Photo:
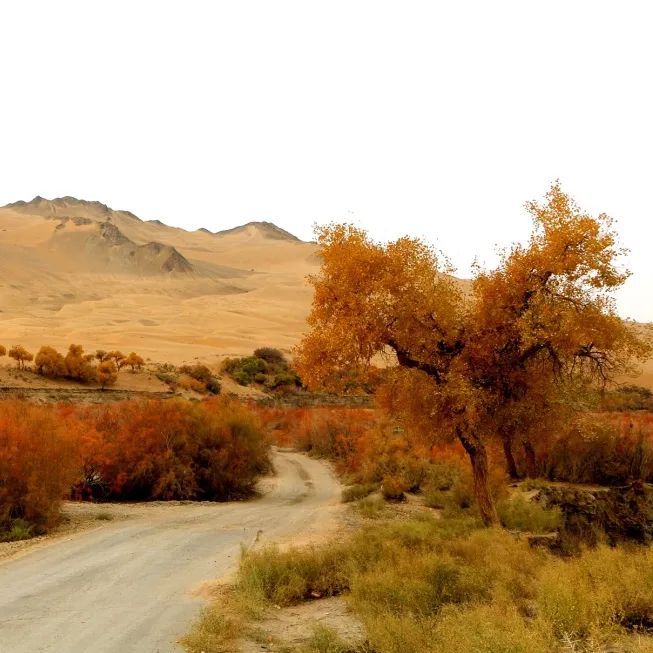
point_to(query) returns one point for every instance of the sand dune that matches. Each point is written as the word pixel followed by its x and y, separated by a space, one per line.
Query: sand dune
pixel 77 271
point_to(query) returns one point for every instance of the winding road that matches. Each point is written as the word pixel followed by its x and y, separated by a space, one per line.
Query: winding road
pixel 134 586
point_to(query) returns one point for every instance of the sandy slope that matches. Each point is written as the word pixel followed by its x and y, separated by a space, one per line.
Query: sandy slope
pixel 134 585
pixel 63 280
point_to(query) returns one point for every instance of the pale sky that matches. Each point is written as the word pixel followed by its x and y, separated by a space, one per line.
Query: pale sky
pixel 434 119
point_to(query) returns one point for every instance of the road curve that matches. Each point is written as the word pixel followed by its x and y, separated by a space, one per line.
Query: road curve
pixel 131 586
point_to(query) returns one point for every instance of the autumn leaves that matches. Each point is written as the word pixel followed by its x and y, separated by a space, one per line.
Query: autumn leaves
pixel 482 363
pixel 101 367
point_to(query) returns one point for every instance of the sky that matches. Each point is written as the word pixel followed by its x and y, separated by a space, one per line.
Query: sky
pixel 433 119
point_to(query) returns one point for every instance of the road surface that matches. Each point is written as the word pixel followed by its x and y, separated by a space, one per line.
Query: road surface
pixel 132 585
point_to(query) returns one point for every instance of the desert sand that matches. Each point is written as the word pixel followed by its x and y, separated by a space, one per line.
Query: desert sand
pixel 78 271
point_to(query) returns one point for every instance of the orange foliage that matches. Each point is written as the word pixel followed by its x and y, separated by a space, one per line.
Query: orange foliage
pixel 605 448
pixel 134 361
pixel 475 367
pixel 49 362
pixel 170 450
pixel 128 450
pixel 21 356
pixel 38 462
pixel 78 364
pixel 106 374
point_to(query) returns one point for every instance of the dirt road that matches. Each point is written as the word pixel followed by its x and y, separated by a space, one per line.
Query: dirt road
pixel 135 585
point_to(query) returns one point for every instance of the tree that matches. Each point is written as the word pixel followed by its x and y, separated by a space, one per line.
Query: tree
pixel 78 364
pixel 106 374
pixel 134 361
pixel 543 318
pixel 117 357
pixel 3 350
pixel 49 362
pixel 21 356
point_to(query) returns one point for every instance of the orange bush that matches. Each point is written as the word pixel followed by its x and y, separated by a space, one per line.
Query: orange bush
pixel 171 450
pixel 38 462
pixel 606 448
pixel 135 450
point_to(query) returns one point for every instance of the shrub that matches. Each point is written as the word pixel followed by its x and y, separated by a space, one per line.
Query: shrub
pixel 521 514
pixel 357 491
pixel 16 530
pixel 189 383
pixel 49 362
pixel 38 464
pixel 272 356
pixel 371 507
pixel 393 489
pixel 607 449
pixel 172 450
pixel 283 378
pixel 267 367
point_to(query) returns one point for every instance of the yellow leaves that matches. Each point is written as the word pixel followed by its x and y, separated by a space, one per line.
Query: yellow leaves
pixel 544 312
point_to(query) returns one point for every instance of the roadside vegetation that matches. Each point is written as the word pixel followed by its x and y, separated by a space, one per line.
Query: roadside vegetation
pixel 131 450
pixel 486 387
pixel 434 584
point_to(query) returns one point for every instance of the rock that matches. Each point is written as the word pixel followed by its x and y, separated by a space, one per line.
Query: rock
pixel 616 514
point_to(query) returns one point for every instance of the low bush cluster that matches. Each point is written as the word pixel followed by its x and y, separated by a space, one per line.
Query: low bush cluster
pixel 198 378
pixel 131 450
pixel 170 450
pixel 267 367
pixel 607 449
pixel 38 465
pixel 627 397
pixel 436 586
pixel 101 368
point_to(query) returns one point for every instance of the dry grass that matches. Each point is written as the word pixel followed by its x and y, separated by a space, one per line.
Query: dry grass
pixel 438 585
pixel 518 513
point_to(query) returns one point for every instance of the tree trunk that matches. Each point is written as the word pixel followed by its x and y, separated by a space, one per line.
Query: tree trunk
pixel 511 465
pixel 531 465
pixel 478 457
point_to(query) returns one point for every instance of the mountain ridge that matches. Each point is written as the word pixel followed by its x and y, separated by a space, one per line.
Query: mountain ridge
pixel 67 206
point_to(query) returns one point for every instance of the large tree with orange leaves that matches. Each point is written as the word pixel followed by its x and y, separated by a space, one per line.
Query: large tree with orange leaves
pixel 468 361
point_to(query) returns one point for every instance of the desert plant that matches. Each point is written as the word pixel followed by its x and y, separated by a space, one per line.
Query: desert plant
pixel 21 356
pixel 519 513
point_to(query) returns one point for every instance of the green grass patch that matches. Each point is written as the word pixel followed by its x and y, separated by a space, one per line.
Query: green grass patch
pixel 518 513
pixel 358 491
pixel 17 529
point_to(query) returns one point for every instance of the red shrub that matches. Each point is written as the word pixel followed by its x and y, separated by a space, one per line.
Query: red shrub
pixel 38 462
pixel 171 450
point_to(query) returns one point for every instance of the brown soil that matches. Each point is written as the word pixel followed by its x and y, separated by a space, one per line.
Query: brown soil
pixel 291 627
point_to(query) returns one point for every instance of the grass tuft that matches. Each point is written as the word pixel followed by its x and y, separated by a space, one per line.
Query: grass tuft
pixel 518 513
pixel 358 491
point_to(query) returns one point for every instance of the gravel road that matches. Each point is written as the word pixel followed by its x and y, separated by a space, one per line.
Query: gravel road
pixel 135 585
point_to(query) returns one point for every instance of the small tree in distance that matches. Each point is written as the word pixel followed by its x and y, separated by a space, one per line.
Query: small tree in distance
pixel 21 356
pixel 116 356
pixel 49 362
pixel 106 374
pixel 134 361
pixel 3 350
